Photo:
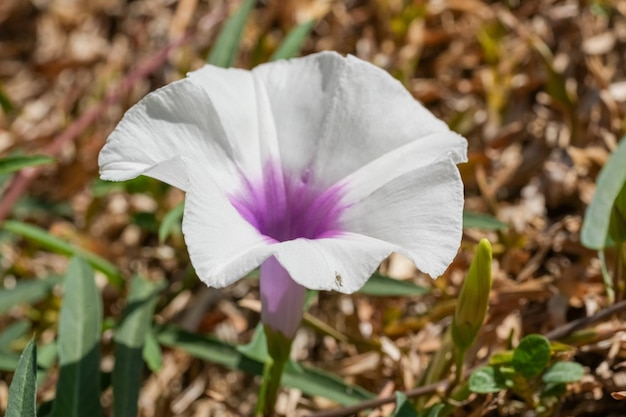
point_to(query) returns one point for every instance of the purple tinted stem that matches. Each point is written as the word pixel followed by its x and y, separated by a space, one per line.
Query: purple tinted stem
pixel 282 298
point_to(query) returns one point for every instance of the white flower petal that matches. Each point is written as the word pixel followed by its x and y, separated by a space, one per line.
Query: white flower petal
pixel 334 115
pixel 301 94
pixel 223 247
pixel 176 121
pixel 342 263
pixel 401 160
pixel 243 109
pixel 421 212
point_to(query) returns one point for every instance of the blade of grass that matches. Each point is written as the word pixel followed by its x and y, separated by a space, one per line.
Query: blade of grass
pixel 612 177
pixel 482 221
pixel 8 361
pixel 5 101
pixel 151 352
pixel 80 325
pixel 46 358
pixel 383 286
pixel 11 164
pixel 23 390
pixel 309 380
pixel 224 51
pixel 171 220
pixel 292 43
pixel 27 292
pixel 53 243
pixel 11 333
pixel 129 341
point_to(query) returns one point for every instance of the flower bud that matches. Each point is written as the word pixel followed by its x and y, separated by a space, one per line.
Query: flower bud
pixel 473 300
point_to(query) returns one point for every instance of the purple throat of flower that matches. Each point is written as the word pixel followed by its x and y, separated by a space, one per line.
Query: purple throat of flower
pixel 285 207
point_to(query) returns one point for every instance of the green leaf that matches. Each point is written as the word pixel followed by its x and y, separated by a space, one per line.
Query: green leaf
pixel 27 292
pixel 501 358
pixel 206 347
pixel 563 373
pixel 531 356
pixel 404 408
pixel 80 324
pixel 383 286
pixel 53 243
pixel 291 45
pixel 11 164
pixel 473 301
pixel 257 348
pixel 5 101
pixel 226 46
pixel 8 361
pixel 129 341
pixel 23 390
pixel 482 221
pixel 152 352
pixel 435 410
pixel 617 222
pixel 608 186
pixel 486 380
pixel 171 221
pixel 13 332
pixel 46 357
pixel 553 390
pixel 311 381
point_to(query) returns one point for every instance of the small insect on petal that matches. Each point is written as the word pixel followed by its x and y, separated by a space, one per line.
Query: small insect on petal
pixel 338 279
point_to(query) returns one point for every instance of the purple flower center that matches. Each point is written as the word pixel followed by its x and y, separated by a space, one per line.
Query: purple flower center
pixel 284 207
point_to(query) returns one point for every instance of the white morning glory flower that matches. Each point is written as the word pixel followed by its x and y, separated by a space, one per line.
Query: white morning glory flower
pixel 315 169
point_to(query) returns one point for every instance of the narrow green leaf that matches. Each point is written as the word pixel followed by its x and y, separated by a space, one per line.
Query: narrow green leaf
pixel 151 352
pixel 404 408
pixel 27 292
pixel 482 221
pixel 617 222
pixel 11 164
pixel 531 356
pixel 473 302
pixel 206 347
pixel 23 390
pixel 501 358
pixel 292 43
pixel 46 358
pixel 129 340
pixel 553 390
pixel 485 380
pixel 608 185
pixel 435 410
pixel 53 243
pixel 563 373
pixel 311 381
pixel 257 348
pixel 383 286
pixel 5 101
pixel 224 51
pixel 171 221
pixel 13 332
pixel 80 325
pixel 8 361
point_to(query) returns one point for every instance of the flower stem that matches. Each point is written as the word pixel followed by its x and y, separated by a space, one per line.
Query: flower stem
pixel 278 346
pixel 459 354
